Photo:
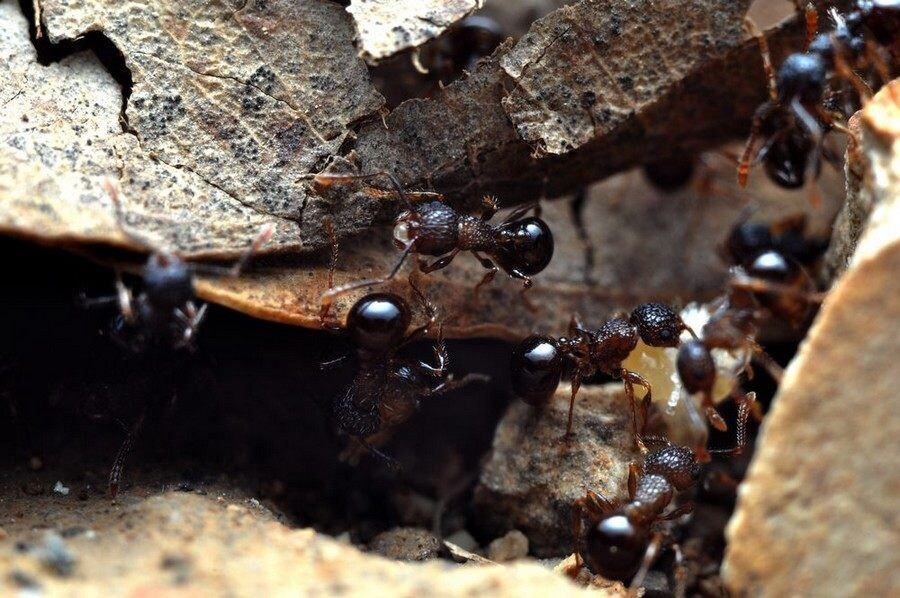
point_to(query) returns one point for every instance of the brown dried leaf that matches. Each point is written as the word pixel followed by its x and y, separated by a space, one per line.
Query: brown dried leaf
pixel 232 103
pixel 385 27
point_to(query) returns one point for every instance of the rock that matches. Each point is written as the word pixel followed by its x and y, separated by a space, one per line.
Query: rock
pixel 817 514
pixel 512 546
pixel 195 544
pixel 406 544
pixel 532 476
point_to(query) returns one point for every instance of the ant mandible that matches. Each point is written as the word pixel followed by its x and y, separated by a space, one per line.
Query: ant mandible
pixel 622 541
pixel 521 246
pixel 538 361
pixel 387 390
pixel 164 317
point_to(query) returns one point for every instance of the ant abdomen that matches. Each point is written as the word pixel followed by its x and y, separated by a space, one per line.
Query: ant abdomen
pixel 378 321
pixel 525 246
pixel 537 365
pixel 789 301
pixel 614 547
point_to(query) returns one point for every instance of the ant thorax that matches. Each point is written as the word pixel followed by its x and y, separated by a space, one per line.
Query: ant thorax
pixel 687 426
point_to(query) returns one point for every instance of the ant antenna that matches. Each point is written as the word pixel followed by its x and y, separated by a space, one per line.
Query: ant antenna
pixel 112 189
pixel 327 180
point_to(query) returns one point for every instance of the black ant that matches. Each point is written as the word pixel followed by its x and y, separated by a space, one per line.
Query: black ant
pixel 538 361
pixel 387 389
pixel 794 120
pixel 622 541
pixel 164 317
pixel 788 235
pixel 521 246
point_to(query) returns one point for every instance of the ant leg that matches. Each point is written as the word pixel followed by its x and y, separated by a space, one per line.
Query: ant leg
pixel 877 61
pixel 327 180
pixel 765 360
pixel 593 505
pixel 861 87
pixel 576 384
pixel 326 365
pixel 115 473
pixel 521 211
pixel 649 556
pixel 489 275
pixel 430 311
pixel 329 296
pixel 389 461
pixel 765 54
pixel 577 213
pixel 715 420
pixel 679 572
pixel 452 384
pixel 630 378
pixel 743 169
pixel 439 263
pixel 576 327
pixel 812 23
pixel 262 237
pixel 526 286
pixel 634 471
pixel 746 404
pixel 684 509
pixel 125 299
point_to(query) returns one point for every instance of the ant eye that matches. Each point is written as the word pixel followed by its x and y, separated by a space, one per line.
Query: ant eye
pixel 657 324
pixel 168 282
pixel 378 321
pixel 536 369
pixel 615 548
pixel 527 246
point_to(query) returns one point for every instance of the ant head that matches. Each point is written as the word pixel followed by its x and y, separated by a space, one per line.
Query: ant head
pixel 536 369
pixel 433 227
pixel 479 34
pixel 525 246
pixel 168 281
pixel 747 240
pixel 658 324
pixel 785 161
pixel 696 367
pixel 615 547
pixel 378 322
pixel 802 76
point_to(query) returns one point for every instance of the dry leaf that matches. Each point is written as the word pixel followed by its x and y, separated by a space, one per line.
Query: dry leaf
pixel 386 27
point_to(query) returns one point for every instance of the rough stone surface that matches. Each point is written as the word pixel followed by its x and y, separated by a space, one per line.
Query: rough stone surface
pixel 817 515
pixel 219 543
pixel 406 544
pixel 385 27
pixel 532 476
pixel 509 547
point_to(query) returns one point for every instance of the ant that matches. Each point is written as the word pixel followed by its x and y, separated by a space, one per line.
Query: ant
pixel 538 361
pixel 521 246
pixel 163 318
pixel 623 540
pixel 387 390
pixel 787 235
pixel 794 120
